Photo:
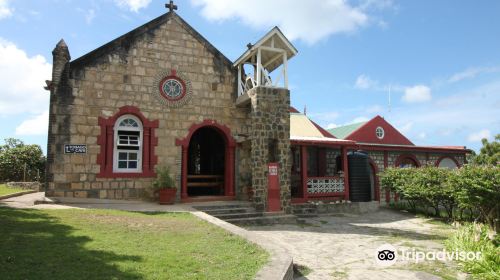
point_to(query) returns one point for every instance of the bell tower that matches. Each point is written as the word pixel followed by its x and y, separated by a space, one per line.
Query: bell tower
pixel 263 85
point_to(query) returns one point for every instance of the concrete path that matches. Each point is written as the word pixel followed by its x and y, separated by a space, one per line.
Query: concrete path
pixel 344 246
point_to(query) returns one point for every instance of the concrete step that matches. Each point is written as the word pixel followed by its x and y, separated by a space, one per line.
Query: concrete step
pixel 222 206
pixel 264 220
pixel 214 212
pixel 229 216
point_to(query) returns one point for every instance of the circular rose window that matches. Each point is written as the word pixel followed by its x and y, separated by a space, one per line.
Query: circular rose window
pixel 379 131
pixel 172 88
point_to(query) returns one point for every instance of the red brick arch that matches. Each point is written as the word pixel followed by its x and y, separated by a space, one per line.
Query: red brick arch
pixel 229 155
pixel 438 161
pixel 404 156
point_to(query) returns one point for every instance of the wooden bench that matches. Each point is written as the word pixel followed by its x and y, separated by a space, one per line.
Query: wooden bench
pixel 205 181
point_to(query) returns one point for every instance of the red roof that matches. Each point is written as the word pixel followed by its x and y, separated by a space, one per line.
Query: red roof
pixel 366 133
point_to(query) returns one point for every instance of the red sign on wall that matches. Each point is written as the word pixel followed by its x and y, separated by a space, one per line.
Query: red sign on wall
pixel 273 188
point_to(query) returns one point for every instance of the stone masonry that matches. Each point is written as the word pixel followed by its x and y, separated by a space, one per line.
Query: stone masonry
pixel 123 73
pixel 270 123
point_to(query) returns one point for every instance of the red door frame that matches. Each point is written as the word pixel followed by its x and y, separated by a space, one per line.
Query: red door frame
pixel 228 155
pixel 374 168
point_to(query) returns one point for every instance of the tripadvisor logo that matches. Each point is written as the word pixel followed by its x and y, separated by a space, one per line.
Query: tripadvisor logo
pixel 387 255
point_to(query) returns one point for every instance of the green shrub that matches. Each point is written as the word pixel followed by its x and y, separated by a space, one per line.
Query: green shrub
pixel 478 187
pixel 20 162
pixel 163 179
pixel 474 238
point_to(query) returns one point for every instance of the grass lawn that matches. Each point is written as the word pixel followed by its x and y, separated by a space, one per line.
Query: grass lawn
pixel 4 190
pixel 109 244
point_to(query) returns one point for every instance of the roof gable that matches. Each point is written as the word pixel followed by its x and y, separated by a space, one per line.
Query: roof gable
pixel 365 133
pixel 122 44
pixel 342 132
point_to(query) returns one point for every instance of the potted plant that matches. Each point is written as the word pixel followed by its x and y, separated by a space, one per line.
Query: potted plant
pixel 164 185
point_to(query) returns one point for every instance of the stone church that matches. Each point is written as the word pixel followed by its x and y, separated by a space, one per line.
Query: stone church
pixel 162 95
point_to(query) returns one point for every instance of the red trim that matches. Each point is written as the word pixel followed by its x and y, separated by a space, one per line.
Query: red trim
pixel 322 130
pixel 172 76
pixel 332 194
pixel 346 173
pixel 450 157
pixel 374 167
pixel 293 110
pixel 229 155
pixel 336 144
pixel 303 170
pixel 403 156
pixel 366 133
pixel 106 141
pixel 362 146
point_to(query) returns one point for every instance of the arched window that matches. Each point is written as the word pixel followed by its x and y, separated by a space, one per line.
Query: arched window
pixel 408 162
pixel 127 152
pixel 447 162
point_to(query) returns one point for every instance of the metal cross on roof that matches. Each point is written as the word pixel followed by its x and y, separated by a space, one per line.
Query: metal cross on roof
pixel 171 6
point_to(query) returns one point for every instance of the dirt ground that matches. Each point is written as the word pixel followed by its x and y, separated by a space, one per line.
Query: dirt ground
pixel 345 246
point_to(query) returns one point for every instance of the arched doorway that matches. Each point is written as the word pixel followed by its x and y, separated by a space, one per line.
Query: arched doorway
pixel 199 157
pixel 374 185
pixel 206 163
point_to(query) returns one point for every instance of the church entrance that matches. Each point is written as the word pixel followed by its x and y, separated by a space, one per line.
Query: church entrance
pixel 206 163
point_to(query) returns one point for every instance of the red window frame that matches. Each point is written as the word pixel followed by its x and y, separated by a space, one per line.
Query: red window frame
pixel 106 142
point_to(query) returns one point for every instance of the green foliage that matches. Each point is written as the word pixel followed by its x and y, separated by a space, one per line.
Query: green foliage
pixel 401 180
pixel 475 188
pixel 478 187
pixel 490 152
pixel 163 179
pixel 21 162
pixel 474 238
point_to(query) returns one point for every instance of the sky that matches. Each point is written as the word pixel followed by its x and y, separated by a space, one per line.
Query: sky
pixel 431 68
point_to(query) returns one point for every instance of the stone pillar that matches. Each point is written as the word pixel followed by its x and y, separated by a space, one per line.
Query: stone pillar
pixel 270 123
pixel 58 130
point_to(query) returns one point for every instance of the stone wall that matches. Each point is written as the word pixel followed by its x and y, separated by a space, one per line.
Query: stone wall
pixel 270 121
pixel 99 84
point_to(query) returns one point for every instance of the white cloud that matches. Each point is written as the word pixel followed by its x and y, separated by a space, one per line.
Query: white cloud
pixel 5 9
pixel 303 20
pixel 22 79
pixel 89 16
pixel 326 117
pixel 358 120
pixel 133 5
pixel 35 126
pixel 416 94
pixel 406 127
pixel 422 135
pixel 479 135
pixel 472 73
pixel 375 109
pixel 331 125
pixel 365 82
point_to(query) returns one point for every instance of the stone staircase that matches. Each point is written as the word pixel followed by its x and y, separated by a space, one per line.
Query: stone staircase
pixel 309 210
pixel 243 214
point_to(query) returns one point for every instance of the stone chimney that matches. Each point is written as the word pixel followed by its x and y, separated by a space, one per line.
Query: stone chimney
pixel 60 64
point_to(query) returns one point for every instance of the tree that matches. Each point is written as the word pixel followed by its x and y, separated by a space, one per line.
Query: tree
pixel 478 187
pixel 19 161
pixel 489 153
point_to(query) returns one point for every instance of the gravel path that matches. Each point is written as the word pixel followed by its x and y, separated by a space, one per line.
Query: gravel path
pixel 344 246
